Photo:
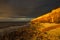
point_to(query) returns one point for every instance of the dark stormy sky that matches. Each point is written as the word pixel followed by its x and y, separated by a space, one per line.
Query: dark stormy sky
pixel 32 8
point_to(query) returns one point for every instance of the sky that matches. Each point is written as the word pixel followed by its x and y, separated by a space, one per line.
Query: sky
pixel 32 8
pixel 36 7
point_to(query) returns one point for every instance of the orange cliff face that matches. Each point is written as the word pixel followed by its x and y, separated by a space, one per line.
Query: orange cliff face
pixel 53 16
pixel 49 18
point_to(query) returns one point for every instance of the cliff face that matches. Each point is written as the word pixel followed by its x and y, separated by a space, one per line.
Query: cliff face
pixel 46 20
pixel 50 23
pixel 51 17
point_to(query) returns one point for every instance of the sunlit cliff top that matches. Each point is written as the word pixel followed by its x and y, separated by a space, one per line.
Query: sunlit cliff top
pixel 52 16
